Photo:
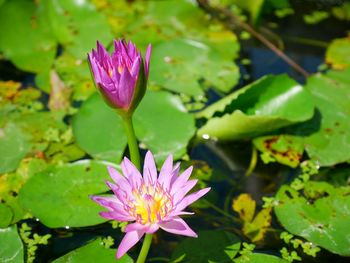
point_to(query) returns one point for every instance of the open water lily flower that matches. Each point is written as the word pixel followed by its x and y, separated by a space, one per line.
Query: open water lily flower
pixel 122 76
pixel 149 201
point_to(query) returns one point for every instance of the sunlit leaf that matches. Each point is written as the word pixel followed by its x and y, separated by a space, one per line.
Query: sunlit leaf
pixel 285 149
pixel 338 53
pixel 90 252
pixel 77 25
pixel 11 249
pixel 259 258
pixel 244 205
pixel 161 123
pixel 263 106
pixel 26 19
pixel 319 214
pixel 67 190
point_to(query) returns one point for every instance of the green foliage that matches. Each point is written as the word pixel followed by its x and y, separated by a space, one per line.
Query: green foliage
pixel 263 106
pixel 67 190
pixel 90 252
pixel 338 53
pixel 318 212
pixel 161 123
pixel 11 249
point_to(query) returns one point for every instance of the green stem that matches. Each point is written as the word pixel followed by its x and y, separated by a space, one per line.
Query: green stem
pixel 253 161
pixel 132 142
pixel 145 247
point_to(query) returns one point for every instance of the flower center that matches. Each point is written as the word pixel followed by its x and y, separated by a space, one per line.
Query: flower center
pixel 151 204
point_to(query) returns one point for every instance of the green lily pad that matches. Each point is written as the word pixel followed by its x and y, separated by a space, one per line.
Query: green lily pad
pixel 161 124
pixel 76 75
pixel 64 201
pixel 14 146
pixel 175 66
pixel 99 130
pixel 202 250
pixel 11 249
pixel 26 19
pixel 263 106
pixel 260 258
pixel 5 216
pixel 320 214
pixel 285 149
pixel 77 25
pixel 184 39
pixel 338 53
pixel 331 143
pixel 92 252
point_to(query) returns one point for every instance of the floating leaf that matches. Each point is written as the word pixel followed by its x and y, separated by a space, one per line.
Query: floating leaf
pixel 331 143
pixel 26 19
pixel 69 23
pixel 253 227
pixel 183 39
pixel 338 53
pixel 202 250
pixel 11 249
pixel 160 121
pixel 67 190
pixel 92 251
pixel 285 149
pixel 5 216
pixel 319 214
pixel 14 145
pixel 263 106
pixel 175 64
pixel 244 205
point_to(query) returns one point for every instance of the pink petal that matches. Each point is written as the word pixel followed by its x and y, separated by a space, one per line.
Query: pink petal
pixel 126 88
pixel 178 226
pixel 129 240
pixel 135 67
pixel 175 173
pixel 165 173
pixel 149 169
pixel 180 194
pixel 136 227
pixel 119 179
pixel 112 215
pixel 131 172
pixel 190 199
pixel 181 180
pixel 147 59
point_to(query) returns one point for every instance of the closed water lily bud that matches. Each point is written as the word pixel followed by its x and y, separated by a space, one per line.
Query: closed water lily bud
pixel 122 76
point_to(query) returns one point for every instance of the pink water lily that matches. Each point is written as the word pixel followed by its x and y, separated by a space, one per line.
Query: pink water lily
pixel 122 76
pixel 149 201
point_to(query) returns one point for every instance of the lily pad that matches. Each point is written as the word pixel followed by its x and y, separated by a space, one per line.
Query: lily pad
pixel 331 143
pixel 11 249
pixel 5 216
pixel 285 149
pixel 14 145
pixel 184 38
pixel 201 249
pixel 73 30
pixel 261 107
pixel 26 19
pixel 319 214
pixel 175 66
pixel 89 252
pixel 161 124
pixel 64 201
pixel 338 53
